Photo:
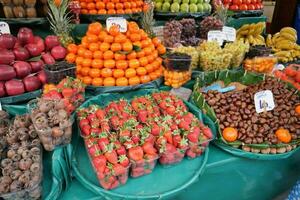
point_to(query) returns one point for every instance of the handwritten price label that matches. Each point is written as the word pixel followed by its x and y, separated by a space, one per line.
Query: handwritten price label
pixel 230 33
pixel 216 36
pixel 264 101
pixel 4 28
pixel 117 21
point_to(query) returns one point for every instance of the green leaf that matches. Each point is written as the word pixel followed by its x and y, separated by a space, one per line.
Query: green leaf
pixel 137 48
pixel 34 59
pixel 124 52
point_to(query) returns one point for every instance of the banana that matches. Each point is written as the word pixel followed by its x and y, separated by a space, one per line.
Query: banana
pixel 244 27
pixel 252 29
pixel 259 27
pixel 289 30
pixel 277 35
pixel 261 38
pixel 286 44
pixel 282 54
pixel 251 39
pixel 288 36
pixel 283 59
pixel 269 40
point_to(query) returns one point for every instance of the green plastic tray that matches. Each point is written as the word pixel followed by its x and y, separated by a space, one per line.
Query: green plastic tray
pixel 179 15
pixel 92 18
pixel 20 98
pixel 25 21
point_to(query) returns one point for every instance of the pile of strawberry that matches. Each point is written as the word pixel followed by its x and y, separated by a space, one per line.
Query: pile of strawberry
pixel 69 89
pixel 136 134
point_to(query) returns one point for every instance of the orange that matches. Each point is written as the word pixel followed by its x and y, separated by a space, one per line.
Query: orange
pixel 117 73
pixel 122 81
pixel 109 81
pixel 94 73
pixel 283 135
pixel 92 38
pixel 108 55
pixel 106 72
pixel 134 10
pixel 138 44
pixel 114 30
pixel 119 56
pixel 145 79
pixel 161 49
pixel 130 73
pixel 115 1
pixel 155 64
pixel 143 34
pixel 127 46
pixel 152 47
pixel 119 6
pixel 85 42
pixel 134 63
pixel 108 39
pixel 83 5
pixel 84 71
pixel 128 11
pixel 120 11
pixel 93 47
pixel 72 48
pixel 71 57
pixel 109 63
pixel 133 5
pixel 230 134
pixel 79 60
pixel 153 76
pixel 84 11
pixel 127 5
pixel 97 82
pixel 145 43
pixel 121 64
pixel 156 41
pixel 91 6
pixel 104 46
pixel 111 12
pixel 80 51
pixel 134 80
pixel 115 47
pixel 120 38
pixel 100 5
pixel 135 37
pixel 102 35
pixel 143 61
pixel 150 58
pixel 141 71
pixel 102 12
pixel 149 68
pixel 93 12
pixel 98 55
pixel 155 54
pixel 88 54
pixel 140 54
pixel 297 109
pixel 140 3
pixel 110 6
pixel 78 69
pixel 87 62
pixel 97 63
pixel 131 55
pixel 159 60
pixel 87 80
pixel 147 51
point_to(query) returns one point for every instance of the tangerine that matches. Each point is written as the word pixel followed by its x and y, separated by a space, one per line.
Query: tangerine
pixel 134 80
pixel 106 72
pixel 283 135
pixel 117 73
pixel 97 81
pixel 109 81
pixel 129 73
pixel 122 81
pixel 230 134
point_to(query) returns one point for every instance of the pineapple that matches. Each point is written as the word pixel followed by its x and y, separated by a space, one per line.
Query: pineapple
pixel 60 21
pixel 148 20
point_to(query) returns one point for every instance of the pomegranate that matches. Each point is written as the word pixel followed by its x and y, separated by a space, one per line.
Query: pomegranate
pixel 42 76
pixel 7 41
pixel 33 49
pixel 32 83
pixel 2 89
pixel 14 87
pixel 7 72
pixel 21 53
pixel 22 69
pixel 36 66
pixel 40 43
pixel 48 59
pixel 51 41
pixel 6 56
pixel 25 36
pixel 58 52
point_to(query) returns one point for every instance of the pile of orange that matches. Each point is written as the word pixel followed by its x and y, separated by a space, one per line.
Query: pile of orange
pixel 111 7
pixel 111 58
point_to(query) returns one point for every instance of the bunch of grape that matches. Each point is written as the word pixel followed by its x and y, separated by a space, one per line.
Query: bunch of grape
pixel 208 24
pixel 192 51
pixel 172 33
pixel 188 28
pixel 238 49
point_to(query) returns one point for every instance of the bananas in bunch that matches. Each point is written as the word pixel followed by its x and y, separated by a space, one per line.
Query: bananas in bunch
pixel 251 33
pixel 284 44
pixel 192 51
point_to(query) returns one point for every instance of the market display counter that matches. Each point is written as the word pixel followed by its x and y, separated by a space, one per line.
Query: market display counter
pixel 227 177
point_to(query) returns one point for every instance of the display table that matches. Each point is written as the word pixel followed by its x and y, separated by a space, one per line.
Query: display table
pixel 227 177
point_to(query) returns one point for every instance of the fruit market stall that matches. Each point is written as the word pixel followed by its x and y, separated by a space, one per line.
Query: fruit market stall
pixel 103 104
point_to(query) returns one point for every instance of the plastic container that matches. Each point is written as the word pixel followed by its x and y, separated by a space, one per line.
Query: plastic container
pixel 46 134
pixel 260 64
pixel 18 9
pixel 168 159
pixel 178 64
pixel 60 70
pixel 35 174
pixel 142 167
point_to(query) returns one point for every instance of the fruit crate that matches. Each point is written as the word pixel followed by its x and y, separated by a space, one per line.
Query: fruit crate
pixel 58 71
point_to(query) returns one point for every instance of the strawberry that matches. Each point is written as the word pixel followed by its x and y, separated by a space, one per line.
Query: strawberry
pixel 174 127
pixel 111 157
pixel 136 153
pixel 170 148
pixel 163 105
pixel 142 116
pixel 135 139
pixel 124 161
pixel 100 114
pixel 149 149
pixel 168 136
pixel 99 163
pixel 192 137
pixel 95 123
pixel 94 151
pixel 183 125
pixel 118 169
pixel 128 144
pixel 83 122
pixel 207 132
pixel 114 120
pixel 90 142
pixel 171 110
pixel 121 150
pixel 176 140
pixel 190 153
pixel 95 131
pixel 67 92
pixel 124 133
pixel 91 117
pixel 138 171
pixel 103 142
pixel 86 130
pixel 155 130
pixel 150 139
pixel 123 178
pixel 53 94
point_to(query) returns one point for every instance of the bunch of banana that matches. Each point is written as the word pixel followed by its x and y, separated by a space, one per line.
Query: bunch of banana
pixel 284 44
pixel 251 33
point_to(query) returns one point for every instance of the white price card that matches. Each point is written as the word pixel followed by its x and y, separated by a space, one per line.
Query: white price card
pixel 117 21
pixel 182 92
pixel 230 33
pixel 264 101
pixel 0 106
pixel 4 28
pixel 216 36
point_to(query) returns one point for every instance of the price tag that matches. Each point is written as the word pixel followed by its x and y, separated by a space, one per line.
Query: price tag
pixel 182 92
pixel 4 28
pixel 216 36
pixel 117 21
pixel 264 101
pixel 279 67
pixel 230 33
pixel 0 106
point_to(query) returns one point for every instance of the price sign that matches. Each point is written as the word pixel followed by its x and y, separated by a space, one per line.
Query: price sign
pixel 181 92
pixel 264 101
pixel 4 28
pixel 230 33
pixel 216 36
pixel 117 21
pixel 0 106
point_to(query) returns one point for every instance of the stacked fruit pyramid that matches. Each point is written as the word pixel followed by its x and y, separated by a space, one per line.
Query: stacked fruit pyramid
pixel 111 7
pixel 112 58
